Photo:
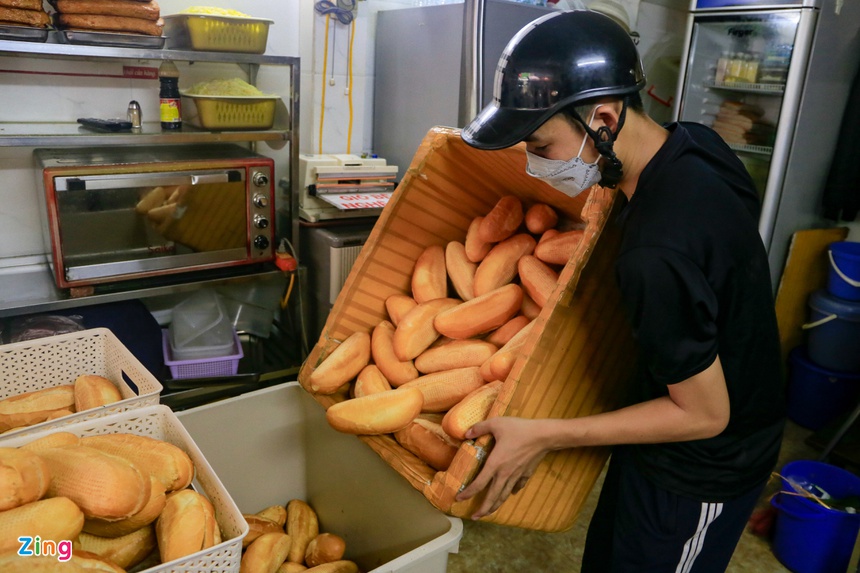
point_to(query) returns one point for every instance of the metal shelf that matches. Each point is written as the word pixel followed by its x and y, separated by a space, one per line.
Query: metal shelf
pixel 765 89
pixel 757 149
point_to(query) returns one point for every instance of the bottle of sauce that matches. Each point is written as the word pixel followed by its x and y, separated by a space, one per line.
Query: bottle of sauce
pixel 170 106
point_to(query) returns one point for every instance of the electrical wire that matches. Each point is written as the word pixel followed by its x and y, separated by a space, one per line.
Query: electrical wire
pixel 349 86
pixel 322 103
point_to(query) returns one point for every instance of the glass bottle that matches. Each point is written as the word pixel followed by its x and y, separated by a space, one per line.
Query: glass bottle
pixel 170 106
pixel 722 65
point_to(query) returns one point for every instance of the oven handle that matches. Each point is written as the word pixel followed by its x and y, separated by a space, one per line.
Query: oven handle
pixel 99 182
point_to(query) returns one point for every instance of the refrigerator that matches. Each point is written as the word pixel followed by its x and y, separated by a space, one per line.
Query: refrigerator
pixel 772 78
pixel 435 65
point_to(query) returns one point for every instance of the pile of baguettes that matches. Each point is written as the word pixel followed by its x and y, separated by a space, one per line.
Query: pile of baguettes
pixel 27 13
pixel 112 16
pixel 436 367
pixel 116 499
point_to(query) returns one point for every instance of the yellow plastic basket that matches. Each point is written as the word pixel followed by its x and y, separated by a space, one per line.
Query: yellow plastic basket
pixel 229 112
pixel 211 33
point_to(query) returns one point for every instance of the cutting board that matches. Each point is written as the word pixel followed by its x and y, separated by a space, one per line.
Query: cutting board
pixel 805 272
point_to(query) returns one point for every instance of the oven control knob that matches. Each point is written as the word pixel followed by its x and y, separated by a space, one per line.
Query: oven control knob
pixel 260 222
pixel 260 179
pixel 261 242
pixel 260 201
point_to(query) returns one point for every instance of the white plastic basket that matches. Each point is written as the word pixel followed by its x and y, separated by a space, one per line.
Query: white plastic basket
pixel 161 423
pixel 57 360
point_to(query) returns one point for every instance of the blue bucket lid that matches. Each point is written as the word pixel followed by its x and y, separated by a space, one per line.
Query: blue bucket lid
pixel 848 249
pixel 825 303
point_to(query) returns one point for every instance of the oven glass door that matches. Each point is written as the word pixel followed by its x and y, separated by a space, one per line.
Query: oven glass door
pixel 134 224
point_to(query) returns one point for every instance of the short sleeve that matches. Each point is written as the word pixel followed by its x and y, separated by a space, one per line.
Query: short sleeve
pixel 673 312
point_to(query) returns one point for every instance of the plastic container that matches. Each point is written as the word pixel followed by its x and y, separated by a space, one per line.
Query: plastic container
pixel 843 280
pixel 229 112
pixel 816 396
pixel 210 33
pixel 226 365
pixel 833 332
pixel 808 537
pixel 387 525
pixel 55 360
pixel 200 328
pixel 161 423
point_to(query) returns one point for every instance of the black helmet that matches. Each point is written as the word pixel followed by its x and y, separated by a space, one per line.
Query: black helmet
pixel 556 60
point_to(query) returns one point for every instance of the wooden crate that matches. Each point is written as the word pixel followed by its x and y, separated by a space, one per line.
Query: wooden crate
pixel 576 360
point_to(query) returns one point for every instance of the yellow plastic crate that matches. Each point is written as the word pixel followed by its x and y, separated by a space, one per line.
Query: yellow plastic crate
pixel 229 112
pixel 211 33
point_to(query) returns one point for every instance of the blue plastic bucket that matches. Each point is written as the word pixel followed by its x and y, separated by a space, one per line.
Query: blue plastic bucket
pixel 833 332
pixel 844 277
pixel 817 396
pixel 808 537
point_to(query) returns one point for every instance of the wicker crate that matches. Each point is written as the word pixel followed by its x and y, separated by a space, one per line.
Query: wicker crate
pixel 57 360
pixel 212 33
pixel 161 423
pixel 577 358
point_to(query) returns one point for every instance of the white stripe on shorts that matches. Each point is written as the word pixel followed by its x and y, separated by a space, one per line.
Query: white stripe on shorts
pixel 709 513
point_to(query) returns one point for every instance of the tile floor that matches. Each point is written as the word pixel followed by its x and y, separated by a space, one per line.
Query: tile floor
pixel 490 548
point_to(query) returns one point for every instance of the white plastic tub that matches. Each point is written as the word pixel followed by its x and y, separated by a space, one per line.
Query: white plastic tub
pixel 274 445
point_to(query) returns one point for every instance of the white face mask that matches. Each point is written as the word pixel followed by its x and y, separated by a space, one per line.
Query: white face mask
pixel 571 177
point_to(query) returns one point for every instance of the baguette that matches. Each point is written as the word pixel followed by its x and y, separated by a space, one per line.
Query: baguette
pixel 302 526
pixel 93 391
pixel 290 567
pixel 502 221
pixel 147 515
pixel 499 365
pixel 94 22
pixel 499 267
pixel 429 442
pixel 56 518
pixel 11 562
pixel 342 365
pixel 416 332
pixel 276 513
pixel 258 526
pixel 429 277
pixel 342 566
pixel 266 553
pixel 35 406
pixel 324 548
pixel 529 308
pixel 32 18
pixel 22 4
pixel 167 462
pixel 537 279
pixel 92 562
pixel 456 354
pixel 501 335
pixel 539 218
pixel 471 410
pixel 475 247
pixel 461 270
pixel 481 314
pixel 557 249
pixel 125 551
pixel 380 413
pixel 52 440
pixel 441 390
pixel 370 381
pixel 186 525
pixel 395 371
pixel 24 477
pixel 398 306
pixel 145 10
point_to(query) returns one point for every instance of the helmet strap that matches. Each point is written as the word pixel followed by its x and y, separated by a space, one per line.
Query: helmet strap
pixel 604 139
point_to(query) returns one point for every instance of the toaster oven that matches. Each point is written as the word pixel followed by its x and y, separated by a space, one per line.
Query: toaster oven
pixel 120 213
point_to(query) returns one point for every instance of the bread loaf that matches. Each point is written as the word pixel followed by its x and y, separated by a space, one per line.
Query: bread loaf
pixel 11 562
pixel 342 365
pixel 22 4
pixel 94 22
pixel 52 440
pixel 342 566
pixel 290 567
pixel 137 9
pixel 529 308
pixel 93 391
pixel 302 526
pixel 125 551
pixel 499 267
pixel 481 314
pixel 501 335
pixel 398 306
pixel 57 518
pixel 276 513
pixel 24 477
pixel 499 365
pixel 147 515
pixel 476 248
pixel 502 221
pixel 455 354
pixel 416 332
pixel 460 269
pixel 538 279
pixel 92 562
pixel 258 526
pixel 324 548
pixel 32 18
pixel 35 406
pixel 370 381
pixel 557 250
pixel 429 277
pixel 380 413
pixel 441 390
pixel 186 525
pixel 539 218
pixel 429 442
pixel 104 486
pixel 395 371
pixel 266 553
pixel 471 410
pixel 167 462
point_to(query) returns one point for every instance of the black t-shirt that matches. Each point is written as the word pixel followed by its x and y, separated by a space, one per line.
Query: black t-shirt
pixel 694 278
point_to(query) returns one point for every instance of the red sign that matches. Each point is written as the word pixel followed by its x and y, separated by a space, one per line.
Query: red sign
pixel 140 72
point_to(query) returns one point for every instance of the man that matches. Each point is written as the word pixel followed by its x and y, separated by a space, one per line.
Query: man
pixel 693 454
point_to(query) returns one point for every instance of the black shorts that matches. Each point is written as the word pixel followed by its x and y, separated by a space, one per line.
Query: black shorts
pixel 638 527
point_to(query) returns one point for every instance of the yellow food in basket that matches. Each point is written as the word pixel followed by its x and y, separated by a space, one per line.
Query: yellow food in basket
pixel 219 87
pixel 213 11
